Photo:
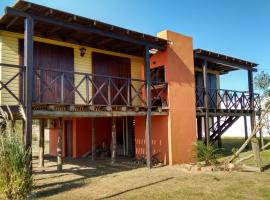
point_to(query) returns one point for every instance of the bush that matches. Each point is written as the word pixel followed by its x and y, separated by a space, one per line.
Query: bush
pixel 208 154
pixel 15 174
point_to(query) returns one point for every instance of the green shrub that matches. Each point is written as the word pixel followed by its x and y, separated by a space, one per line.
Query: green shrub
pixel 15 175
pixel 209 154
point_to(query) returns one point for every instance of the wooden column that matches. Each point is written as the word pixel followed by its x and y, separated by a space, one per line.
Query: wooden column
pixel 41 143
pixel 251 96
pixel 245 127
pixel 260 132
pixel 205 99
pixel 93 139
pixel 148 122
pixel 28 63
pixel 219 137
pixel 60 145
pixel 113 143
pixel 199 128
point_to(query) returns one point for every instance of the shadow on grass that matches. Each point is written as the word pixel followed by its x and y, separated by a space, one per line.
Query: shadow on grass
pixel 136 188
pixel 84 168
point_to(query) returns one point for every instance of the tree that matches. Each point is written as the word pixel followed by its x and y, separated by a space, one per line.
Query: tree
pixel 262 83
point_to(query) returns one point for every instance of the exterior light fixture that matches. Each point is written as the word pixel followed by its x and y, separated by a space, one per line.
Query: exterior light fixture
pixel 82 51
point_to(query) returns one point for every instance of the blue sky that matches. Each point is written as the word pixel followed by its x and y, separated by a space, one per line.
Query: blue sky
pixel 240 28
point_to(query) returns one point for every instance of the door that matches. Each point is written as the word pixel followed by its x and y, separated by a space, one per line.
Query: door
pixel 48 83
pixel 115 66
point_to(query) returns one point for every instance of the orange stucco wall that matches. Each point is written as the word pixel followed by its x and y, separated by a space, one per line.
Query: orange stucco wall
pixel 159 137
pixel 82 138
pixel 179 73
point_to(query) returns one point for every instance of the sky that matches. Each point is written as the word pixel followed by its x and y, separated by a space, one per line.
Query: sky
pixel 238 28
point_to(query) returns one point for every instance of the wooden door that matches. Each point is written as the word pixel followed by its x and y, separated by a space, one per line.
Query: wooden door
pixel 108 65
pixel 56 58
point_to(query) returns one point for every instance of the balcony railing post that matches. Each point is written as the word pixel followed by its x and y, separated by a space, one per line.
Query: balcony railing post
pixel 128 91
pixel 87 89
pixel 62 87
pixel 109 93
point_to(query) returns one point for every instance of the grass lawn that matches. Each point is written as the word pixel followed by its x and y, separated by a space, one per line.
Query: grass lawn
pixel 84 179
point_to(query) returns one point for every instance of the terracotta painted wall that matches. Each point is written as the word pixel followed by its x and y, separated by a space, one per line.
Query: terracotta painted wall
pixel 82 138
pixel 159 137
pixel 53 141
pixel 179 73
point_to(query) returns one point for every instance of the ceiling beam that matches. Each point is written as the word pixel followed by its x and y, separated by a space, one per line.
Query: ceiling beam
pixel 13 21
pixel 105 41
pixel 224 62
pixel 82 28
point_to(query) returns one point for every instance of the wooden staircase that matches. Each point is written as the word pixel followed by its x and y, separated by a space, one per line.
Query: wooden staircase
pixel 225 123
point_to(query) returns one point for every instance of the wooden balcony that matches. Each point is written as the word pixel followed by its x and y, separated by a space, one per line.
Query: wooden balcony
pixel 59 93
pixel 227 102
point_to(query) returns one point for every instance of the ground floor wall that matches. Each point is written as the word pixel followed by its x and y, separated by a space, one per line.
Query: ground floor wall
pixel 159 138
pixel 81 136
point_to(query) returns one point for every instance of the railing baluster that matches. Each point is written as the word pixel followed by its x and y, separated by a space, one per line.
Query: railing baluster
pixel 62 88
pixel 128 92
pixel 109 93
pixel 87 89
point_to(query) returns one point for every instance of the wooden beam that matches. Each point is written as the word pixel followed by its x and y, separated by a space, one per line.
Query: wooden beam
pixel 148 123
pixel 205 98
pixel 66 114
pixel 93 139
pixel 82 28
pixel 105 41
pixel 60 145
pixel 28 62
pixel 41 143
pixel 223 62
pixel 113 142
pixel 13 21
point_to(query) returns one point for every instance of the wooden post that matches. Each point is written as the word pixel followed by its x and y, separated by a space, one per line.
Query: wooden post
pixel 127 138
pixel 93 139
pixel 251 96
pixel 245 127
pixel 41 143
pixel 256 151
pixel 113 143
pixel 260 133
pixel 219 137
pixel 148 123
pixel 59 145
pixel 124 138
pixel 199 128
pixel 28 63
pixel 205 99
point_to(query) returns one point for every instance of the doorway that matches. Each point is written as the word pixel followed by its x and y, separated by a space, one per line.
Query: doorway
pixel 69 138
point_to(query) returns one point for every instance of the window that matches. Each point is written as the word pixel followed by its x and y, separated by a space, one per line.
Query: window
pixel 158 74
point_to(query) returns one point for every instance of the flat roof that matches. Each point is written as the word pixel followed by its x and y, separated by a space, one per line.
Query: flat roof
pixel 58 25
pixel 221 62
